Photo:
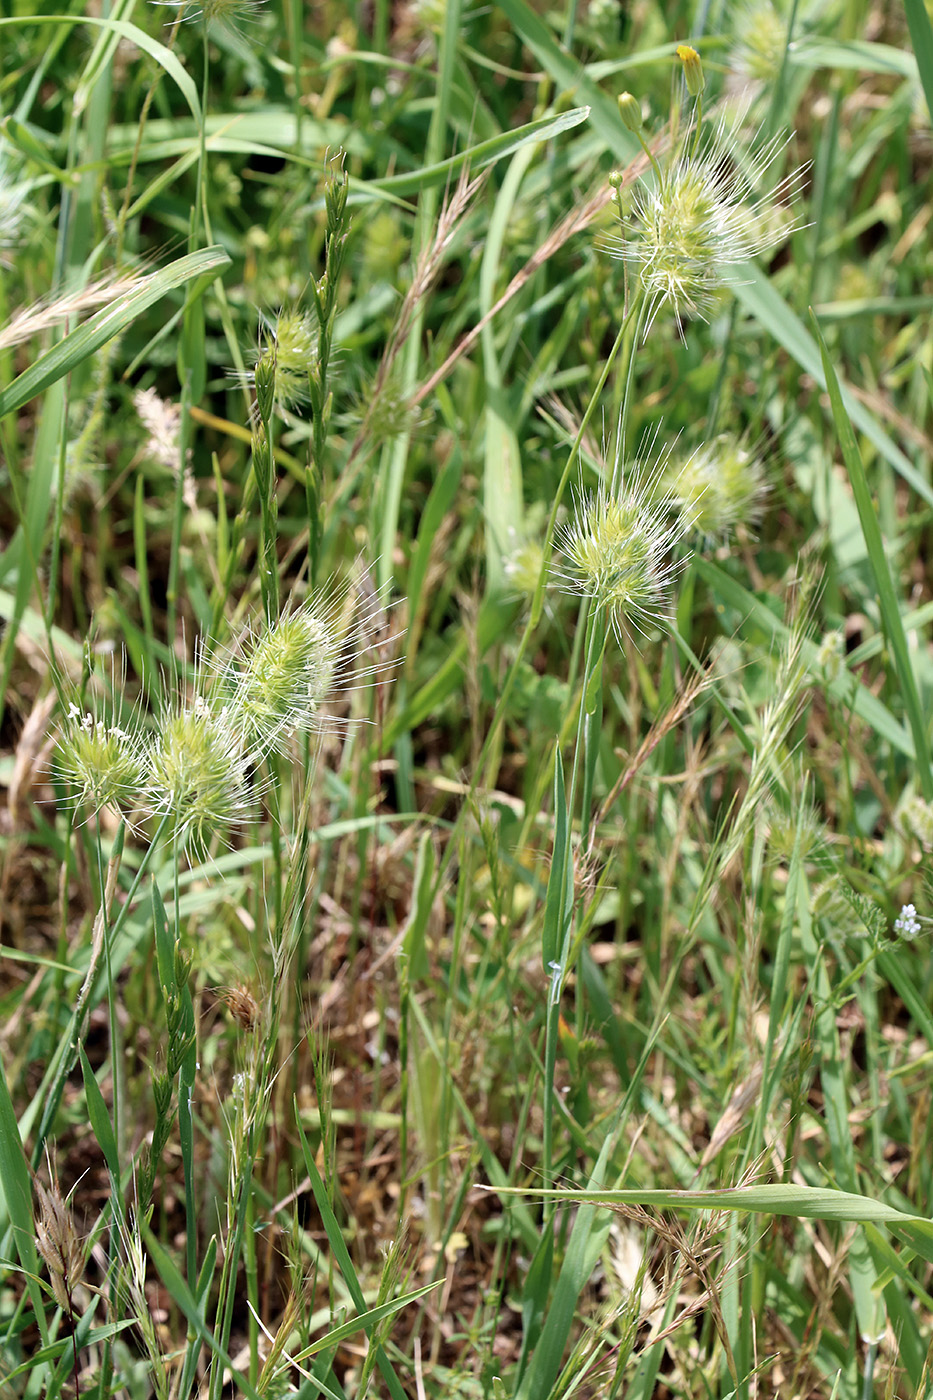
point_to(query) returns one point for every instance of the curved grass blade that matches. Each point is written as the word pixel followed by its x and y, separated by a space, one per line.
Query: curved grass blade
pixel 77 347
pixel 759 297
pixel 484 153
pixel 124 30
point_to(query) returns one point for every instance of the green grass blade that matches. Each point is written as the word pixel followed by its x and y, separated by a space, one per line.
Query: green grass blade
pixel 502 469
pixel 16 1191
pixel 760 299
pixel 568 75
pixel 342 1257
pixel 82 343
pixel 781 1199
pixel 583 1247
pixel 99 1118
pixel 183 1298
pixel 474 159
pixel 921 34
pixel 887 593
pixel 131 32
pixel 846 689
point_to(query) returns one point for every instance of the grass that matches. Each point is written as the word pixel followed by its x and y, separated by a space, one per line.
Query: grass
pixel 464 716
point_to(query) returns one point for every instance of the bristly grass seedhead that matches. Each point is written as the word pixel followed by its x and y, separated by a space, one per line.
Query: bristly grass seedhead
pixel 523 564
pixel 13 205
pixel 760 43
pixel 103 762
pixel 288 354
pixel 281 687
pixel 617 551
pixel 720 486
pixel 195 775
pixel 697 219
pixel 233 14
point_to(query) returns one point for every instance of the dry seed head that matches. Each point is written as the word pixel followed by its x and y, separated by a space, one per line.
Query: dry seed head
pixel 720 486
pixel 58 1242
pixel 103 762
pixel 616 550
pixel 241 1003
pixel 195 775
pixel 162 421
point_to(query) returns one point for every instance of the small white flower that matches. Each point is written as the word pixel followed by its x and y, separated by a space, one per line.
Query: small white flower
pixel 907 924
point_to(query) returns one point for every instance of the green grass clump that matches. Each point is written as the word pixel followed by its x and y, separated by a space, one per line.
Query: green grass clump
pixel 465 692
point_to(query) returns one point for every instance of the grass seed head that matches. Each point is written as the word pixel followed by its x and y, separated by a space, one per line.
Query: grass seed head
pixel 760 43
pixel 288 354
pixel 280 689
pixel 59 1244
pixel 104 763
pixel 523 564
pixel 721 485
pixel 195 775
pixel 616 550
pixel 699 218
pixel 232 14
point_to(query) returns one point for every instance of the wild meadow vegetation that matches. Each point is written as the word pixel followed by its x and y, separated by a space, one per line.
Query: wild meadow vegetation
pixel 466 685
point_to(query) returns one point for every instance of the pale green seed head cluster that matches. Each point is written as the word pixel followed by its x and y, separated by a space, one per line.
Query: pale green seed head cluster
pixel 617 551
pixel 720 486
pixel 523 565
pixel 696 220
pixel 233 14
pixel 196 776
pixel 193 770
pixel 760 42
pixel 280 688
pixel 915 818
pixel 13 204
pixel 103 763
pixel 289 354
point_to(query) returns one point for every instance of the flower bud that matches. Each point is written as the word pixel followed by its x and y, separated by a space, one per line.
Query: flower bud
pixel 630 111
pixel 693 69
